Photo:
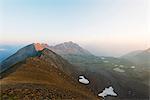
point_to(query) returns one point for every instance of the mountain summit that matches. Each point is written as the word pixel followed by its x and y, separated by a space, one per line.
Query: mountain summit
pixel 38 46
pixel 69 48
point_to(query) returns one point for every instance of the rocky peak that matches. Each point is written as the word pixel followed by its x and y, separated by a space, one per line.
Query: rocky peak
pixel 38 46
pixel 69 48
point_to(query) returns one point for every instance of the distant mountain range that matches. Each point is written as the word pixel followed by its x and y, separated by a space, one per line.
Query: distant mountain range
pixel 44 67
pixel 69 48
pixel 140 57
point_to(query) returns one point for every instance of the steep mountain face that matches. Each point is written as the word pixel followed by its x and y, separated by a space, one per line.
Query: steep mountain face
pixel 41 75
pixel 25 52
pixel 69 48
pixel 20 55
pixel 139 58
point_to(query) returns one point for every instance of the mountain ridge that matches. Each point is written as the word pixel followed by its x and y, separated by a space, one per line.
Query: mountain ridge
pixel 20 55
pixel 141 57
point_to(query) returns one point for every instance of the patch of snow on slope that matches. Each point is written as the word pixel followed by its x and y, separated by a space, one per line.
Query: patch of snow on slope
pixel 121 66
pixel 83 80
pixel 119 70
pixel 105 61
pixel 107 92
pixel 132 66
pixel 103 58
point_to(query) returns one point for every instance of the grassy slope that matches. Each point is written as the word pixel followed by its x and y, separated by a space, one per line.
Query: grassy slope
pixel 53 82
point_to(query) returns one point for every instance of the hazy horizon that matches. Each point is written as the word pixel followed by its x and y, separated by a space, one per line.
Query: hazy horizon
pixel 104 27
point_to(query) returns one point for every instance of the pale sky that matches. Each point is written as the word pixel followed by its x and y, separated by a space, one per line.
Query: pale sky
pixel 109 27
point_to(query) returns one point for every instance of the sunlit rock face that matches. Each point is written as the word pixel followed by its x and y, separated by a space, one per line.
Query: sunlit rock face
pixel 38 46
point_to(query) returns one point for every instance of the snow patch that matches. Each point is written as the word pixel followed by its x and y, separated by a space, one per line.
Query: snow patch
pixel 119 70
pixel 133 67
pixel 83 80
pixel 105 61
pixel 107 92
pixel 121 66
pixel 103 58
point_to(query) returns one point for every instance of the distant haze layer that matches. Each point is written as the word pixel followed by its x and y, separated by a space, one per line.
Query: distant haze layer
pixel 98 49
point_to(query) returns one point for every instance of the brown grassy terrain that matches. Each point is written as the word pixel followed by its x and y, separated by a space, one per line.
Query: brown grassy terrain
pixel 36 79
